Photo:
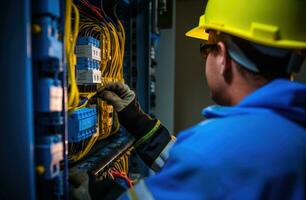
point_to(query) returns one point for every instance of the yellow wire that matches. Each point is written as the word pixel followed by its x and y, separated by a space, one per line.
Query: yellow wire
pixel 86 150
pixel 70 42
pixel 112 42
pixel 113 70
pixel 88 96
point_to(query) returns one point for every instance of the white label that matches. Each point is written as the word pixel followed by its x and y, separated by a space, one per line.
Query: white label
pixel 56 99
pixel 88 51
pixel 88 76
pixel 57 152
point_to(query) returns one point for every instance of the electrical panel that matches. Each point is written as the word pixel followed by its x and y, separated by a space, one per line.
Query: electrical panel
pixel 75 48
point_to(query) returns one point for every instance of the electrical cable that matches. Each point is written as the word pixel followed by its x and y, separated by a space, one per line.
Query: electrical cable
pixel 94 22
pixel 70 42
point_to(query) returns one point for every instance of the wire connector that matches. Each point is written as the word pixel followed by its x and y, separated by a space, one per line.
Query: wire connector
pixel 82 124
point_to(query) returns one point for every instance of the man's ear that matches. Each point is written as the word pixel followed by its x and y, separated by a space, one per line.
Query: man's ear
pixel 224 61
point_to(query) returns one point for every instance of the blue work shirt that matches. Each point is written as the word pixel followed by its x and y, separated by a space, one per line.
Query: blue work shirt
pixel 254 150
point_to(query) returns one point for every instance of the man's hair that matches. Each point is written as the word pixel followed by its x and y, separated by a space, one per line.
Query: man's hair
pixel 269 67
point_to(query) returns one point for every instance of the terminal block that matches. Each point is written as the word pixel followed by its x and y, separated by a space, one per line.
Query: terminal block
pixel 49 95
pixel 88 51
pixel 87 64
pixel 46 40
pixel 88 77
pixel 88 61
pixel 105 118
pixel 88 41
pixel 88 47
pixel 49 151
pixel 82 124
pixel 88 72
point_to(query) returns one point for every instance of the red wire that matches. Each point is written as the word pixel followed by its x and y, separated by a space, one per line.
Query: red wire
pixel 88 15
pixel 123 176
pixel 93 8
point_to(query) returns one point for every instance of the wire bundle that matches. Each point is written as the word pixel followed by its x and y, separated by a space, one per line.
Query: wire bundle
pixel 112 39
pixel 70 38
pixel 94 22
pixel 122 175
pixel 119 169
pixel 77 152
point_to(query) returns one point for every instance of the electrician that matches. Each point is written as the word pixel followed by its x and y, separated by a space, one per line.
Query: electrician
pixel 253 143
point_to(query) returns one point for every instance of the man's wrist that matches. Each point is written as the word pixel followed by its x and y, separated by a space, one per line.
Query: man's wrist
pixel 135 120
pixel 148 134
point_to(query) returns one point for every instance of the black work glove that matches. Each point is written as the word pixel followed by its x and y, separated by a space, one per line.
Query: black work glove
pixel 85 187
pixel 129 112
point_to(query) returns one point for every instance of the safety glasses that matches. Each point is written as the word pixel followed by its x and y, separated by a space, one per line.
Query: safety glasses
pixel 205 49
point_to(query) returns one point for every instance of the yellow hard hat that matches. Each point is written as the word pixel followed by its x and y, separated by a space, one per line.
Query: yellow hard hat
pixel 276 23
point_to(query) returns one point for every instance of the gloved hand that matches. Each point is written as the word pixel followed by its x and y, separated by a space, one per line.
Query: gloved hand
pixel 129 112
pixel 117 94
pixel 83 187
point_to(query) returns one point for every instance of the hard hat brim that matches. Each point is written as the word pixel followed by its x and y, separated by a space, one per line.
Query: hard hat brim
pixel 197 33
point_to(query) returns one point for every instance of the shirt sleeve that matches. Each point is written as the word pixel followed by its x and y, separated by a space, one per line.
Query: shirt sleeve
pixel 154 147
pixel 180 179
